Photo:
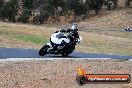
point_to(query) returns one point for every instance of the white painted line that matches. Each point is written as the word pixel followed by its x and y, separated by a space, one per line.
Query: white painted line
pixel 28 59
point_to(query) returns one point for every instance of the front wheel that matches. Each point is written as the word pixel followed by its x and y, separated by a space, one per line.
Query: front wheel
pixel 68 50
pixel 43 50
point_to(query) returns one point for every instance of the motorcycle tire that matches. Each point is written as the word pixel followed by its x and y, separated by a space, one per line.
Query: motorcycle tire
pixel 43 50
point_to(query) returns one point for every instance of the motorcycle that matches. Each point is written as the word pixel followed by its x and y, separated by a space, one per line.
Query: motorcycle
pixel 61 43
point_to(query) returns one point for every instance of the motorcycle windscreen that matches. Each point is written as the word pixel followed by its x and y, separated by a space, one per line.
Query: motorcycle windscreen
pixel 57 38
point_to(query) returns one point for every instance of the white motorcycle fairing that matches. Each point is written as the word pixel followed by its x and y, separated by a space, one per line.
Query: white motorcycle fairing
pixel 58 38
pixel 61 42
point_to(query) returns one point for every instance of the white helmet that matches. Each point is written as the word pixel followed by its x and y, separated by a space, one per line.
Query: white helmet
pixel 74 28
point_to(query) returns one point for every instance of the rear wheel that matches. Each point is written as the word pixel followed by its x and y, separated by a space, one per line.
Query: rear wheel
pixel 43 50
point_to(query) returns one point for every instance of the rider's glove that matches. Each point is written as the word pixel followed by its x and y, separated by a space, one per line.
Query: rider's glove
pixel 77 41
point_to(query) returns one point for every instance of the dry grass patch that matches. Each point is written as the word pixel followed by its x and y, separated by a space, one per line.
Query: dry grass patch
pixel 27 29
pixel 105 44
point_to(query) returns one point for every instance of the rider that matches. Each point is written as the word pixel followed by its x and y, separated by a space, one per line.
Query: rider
pixel 61 39
pixel 73 31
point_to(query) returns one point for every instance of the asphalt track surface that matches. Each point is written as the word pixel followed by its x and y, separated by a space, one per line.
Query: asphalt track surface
pixel 32 53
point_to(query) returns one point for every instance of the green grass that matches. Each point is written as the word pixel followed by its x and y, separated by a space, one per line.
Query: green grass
pixel 34 39
pixel 31 38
